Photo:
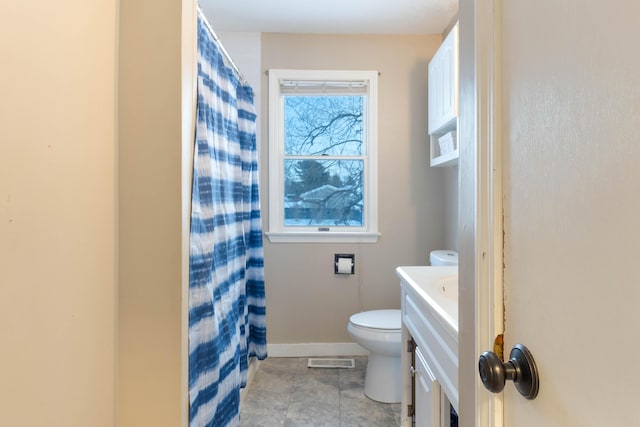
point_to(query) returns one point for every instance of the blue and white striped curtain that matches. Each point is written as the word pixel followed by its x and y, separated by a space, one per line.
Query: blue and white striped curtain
pixel 226 289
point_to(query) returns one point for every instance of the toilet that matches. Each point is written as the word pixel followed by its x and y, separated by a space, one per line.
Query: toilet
pixel 443 257
pixel 379 331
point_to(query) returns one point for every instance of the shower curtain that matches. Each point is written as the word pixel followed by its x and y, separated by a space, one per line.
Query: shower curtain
pixel 226 272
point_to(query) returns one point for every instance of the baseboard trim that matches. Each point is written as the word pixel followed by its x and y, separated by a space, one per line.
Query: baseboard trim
pixel 316 349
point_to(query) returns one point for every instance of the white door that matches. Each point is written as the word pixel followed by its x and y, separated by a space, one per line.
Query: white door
pixel 571 175
pixel 566 76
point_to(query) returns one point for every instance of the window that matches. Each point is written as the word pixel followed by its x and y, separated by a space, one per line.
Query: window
pixel 322 156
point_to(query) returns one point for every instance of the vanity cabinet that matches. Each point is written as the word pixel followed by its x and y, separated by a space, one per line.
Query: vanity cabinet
pixel 443 98
pixel 430 337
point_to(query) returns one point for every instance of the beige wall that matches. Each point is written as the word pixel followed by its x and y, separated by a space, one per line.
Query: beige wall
pixel 151 159
pixel 450 185
pixel 306 301
pixel 57 215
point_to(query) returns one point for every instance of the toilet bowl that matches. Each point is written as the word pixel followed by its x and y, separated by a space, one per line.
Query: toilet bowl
pixel 379 331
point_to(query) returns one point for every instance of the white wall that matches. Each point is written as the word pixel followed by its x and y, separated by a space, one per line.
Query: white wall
pixel 57 213
pixel 245 50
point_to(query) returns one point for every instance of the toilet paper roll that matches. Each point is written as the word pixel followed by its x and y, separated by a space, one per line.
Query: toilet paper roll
pixel 344 265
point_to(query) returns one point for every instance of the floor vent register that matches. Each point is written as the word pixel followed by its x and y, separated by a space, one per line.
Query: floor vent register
pixel 331 363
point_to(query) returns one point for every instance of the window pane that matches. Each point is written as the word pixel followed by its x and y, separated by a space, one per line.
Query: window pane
pixel 323 125
pixel 323 193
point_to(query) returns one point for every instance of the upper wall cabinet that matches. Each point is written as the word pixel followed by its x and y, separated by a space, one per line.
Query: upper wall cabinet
pixel 443 101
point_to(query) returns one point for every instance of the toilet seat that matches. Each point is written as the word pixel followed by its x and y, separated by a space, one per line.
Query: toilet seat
pixel 383 320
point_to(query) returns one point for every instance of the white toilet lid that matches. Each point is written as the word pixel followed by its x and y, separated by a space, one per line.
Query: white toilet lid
pixel 378 319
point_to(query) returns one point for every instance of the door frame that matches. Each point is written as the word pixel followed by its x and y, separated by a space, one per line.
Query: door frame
pixel 480 205
pixel 189 71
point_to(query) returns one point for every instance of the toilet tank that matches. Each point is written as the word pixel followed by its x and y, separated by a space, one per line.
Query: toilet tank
pixel 443 257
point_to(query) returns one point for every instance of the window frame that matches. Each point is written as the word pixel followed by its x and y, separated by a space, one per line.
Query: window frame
pixel 278 232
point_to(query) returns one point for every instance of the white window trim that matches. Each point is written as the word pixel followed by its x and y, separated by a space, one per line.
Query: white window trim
pixel 277 232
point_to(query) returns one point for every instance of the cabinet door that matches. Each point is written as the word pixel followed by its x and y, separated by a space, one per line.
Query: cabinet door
pixel 427 394
pixel 435 85
pixel 449 100
pixel 443 83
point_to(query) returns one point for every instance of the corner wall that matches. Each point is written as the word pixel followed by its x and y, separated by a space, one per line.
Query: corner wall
pixel 152 205
pixel 450 204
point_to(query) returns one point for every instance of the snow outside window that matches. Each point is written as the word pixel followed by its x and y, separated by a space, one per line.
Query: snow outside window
pixel 323 156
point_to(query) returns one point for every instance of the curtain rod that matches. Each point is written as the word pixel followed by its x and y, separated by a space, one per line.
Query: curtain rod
pixel 221 46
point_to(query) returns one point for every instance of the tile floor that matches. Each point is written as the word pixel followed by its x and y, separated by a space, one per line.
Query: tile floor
pixel 284 392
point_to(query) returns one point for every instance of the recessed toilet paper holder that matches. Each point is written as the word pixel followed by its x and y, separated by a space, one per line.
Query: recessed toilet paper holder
pixel 342 262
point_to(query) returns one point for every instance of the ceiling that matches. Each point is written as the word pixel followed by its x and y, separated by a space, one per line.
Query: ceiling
pixel 331 16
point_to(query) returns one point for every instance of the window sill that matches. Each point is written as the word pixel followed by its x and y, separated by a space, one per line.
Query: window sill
pixel 323 237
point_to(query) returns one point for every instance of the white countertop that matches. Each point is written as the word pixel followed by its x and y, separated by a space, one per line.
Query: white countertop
pixel 438 287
